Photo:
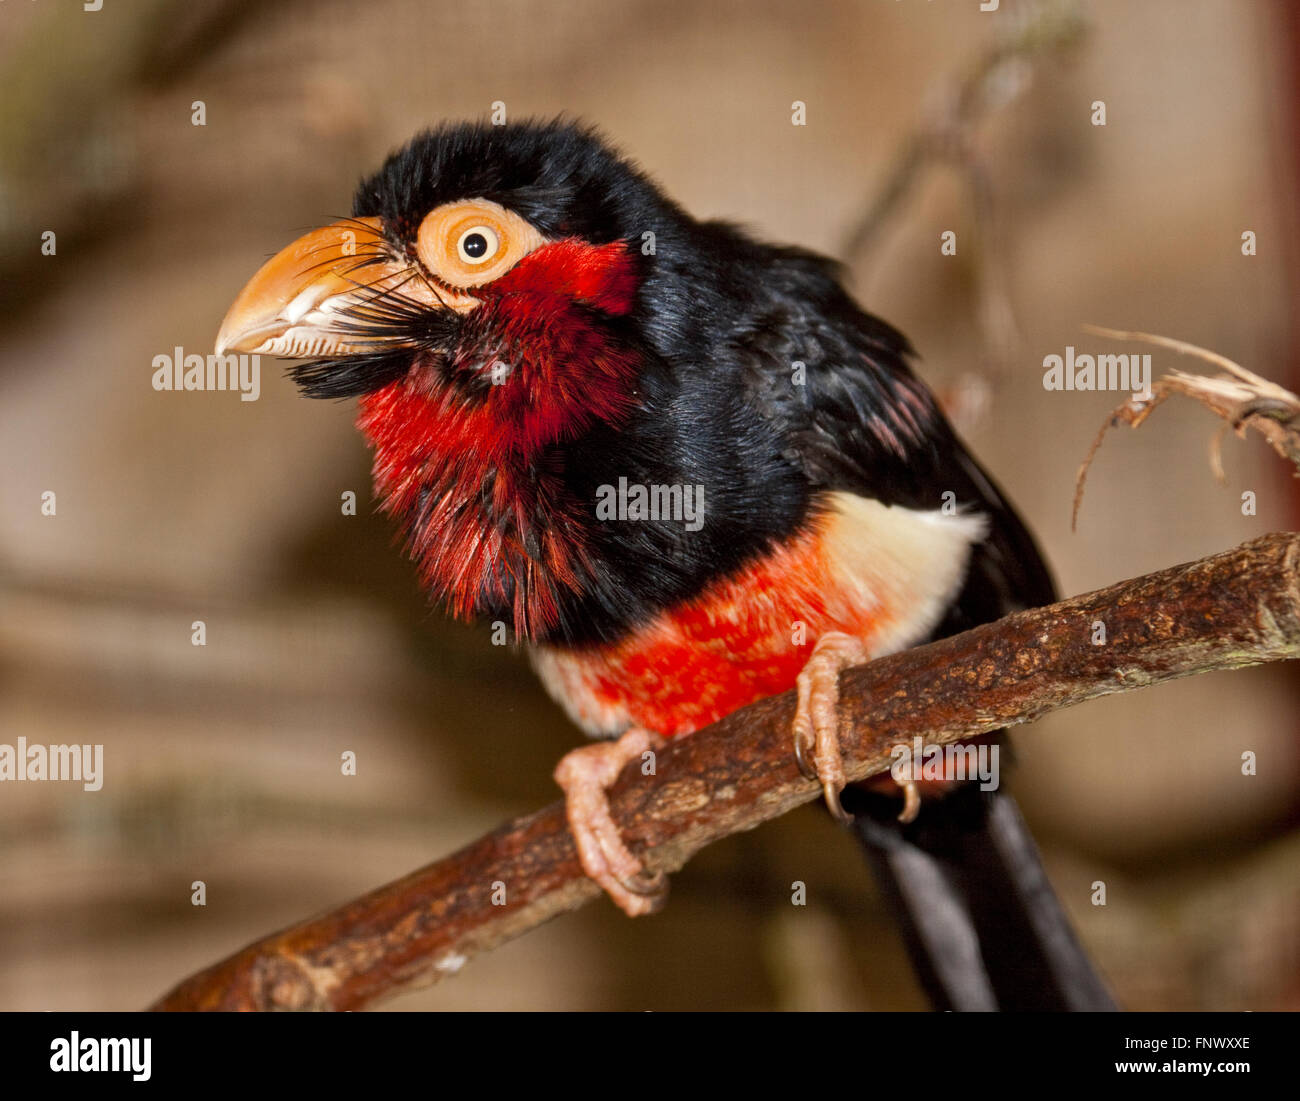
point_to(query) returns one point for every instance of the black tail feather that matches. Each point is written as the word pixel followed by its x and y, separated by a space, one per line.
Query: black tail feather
pixel 981 922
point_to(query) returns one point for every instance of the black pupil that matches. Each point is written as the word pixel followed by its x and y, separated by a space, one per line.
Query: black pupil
pixel 475 245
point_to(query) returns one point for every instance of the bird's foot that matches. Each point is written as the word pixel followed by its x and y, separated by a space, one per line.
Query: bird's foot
pixel 817 722
pixel 586 774
pixel 816 718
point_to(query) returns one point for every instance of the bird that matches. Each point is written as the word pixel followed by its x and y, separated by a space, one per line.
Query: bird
pixel 688 471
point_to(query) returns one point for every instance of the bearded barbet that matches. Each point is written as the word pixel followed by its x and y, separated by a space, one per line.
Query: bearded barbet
pixel 528 322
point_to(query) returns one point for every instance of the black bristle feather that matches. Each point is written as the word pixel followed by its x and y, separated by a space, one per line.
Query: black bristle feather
pixel 351 377
pixel 390 320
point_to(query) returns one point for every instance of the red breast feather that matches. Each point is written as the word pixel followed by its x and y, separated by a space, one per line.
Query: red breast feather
pixel 466 468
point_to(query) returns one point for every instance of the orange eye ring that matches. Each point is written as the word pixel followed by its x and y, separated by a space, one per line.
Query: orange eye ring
pixel 470 243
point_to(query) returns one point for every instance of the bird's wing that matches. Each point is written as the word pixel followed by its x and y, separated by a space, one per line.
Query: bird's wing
pixel 853 416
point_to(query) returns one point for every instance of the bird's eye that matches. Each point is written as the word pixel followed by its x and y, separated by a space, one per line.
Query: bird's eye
pixel 473 242
pixel 477 245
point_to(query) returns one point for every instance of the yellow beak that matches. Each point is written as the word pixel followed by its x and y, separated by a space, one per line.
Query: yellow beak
pixel 313 298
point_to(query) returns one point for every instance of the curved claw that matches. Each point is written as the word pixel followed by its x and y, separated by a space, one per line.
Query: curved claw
pixel 809 773
pixel 832 796
pixel 911 802
pixel 646 884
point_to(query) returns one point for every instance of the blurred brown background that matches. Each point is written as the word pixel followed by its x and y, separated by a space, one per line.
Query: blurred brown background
pixel 222 762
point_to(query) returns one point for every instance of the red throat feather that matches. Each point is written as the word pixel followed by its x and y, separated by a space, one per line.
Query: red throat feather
pixel 472 475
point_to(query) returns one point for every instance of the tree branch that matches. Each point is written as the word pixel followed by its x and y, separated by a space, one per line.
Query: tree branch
pixel 1238 608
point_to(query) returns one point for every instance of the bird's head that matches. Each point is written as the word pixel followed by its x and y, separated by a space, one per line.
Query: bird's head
pixel 483 303
pixel 490 263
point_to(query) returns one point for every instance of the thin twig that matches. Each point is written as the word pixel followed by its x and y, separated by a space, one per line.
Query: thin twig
pixel 1027 38
pixel 1234 609
pixel 1242 398
pixel 993 81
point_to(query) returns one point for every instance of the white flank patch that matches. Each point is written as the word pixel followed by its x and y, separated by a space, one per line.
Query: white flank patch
pixel 907 562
